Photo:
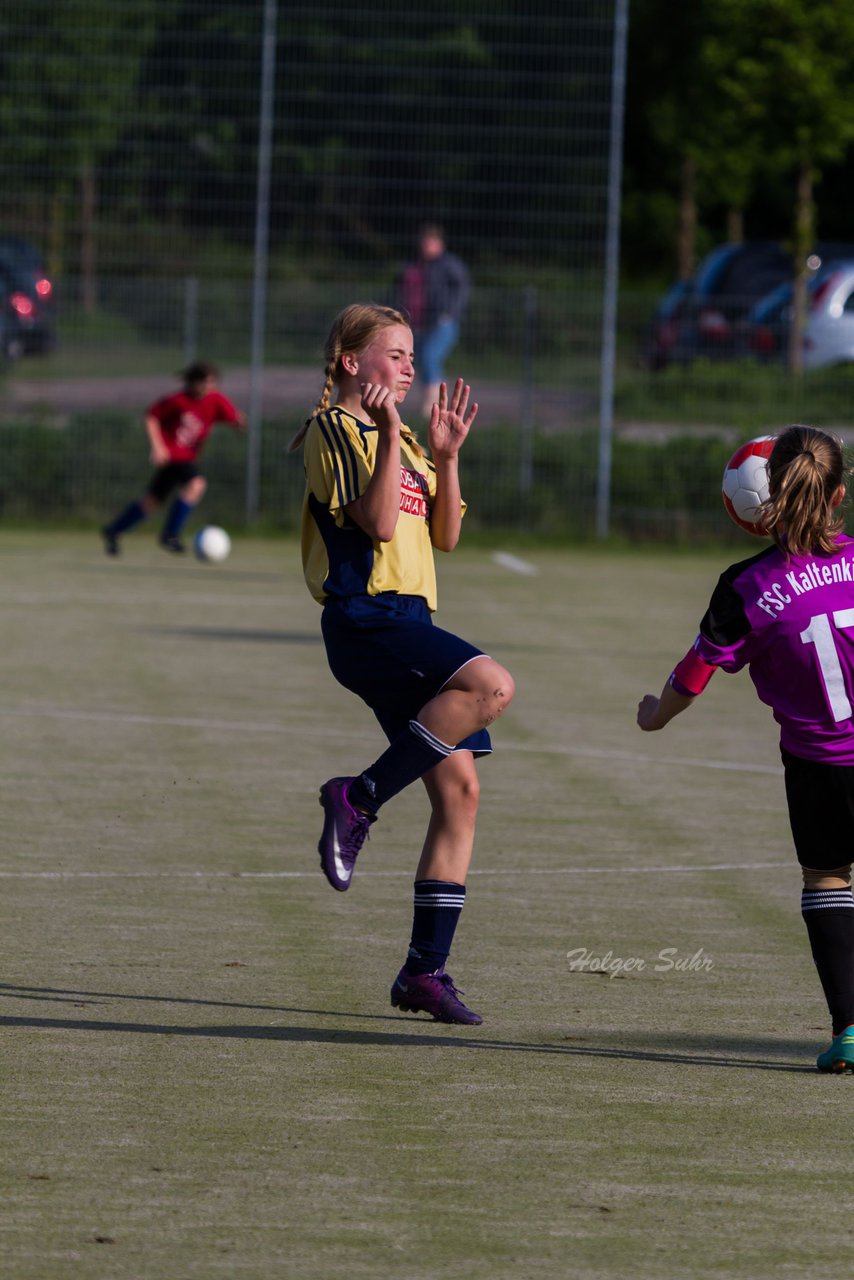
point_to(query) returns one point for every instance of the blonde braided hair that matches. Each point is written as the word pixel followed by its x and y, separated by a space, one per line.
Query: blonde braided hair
pixel 353 329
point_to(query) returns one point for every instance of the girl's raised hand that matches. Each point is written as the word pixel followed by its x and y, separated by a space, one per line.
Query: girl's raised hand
pixel 450 421
pixel 379 403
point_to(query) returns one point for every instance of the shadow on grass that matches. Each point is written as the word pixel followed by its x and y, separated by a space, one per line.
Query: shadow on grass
pixel 236 633
pixel 73 995
pixel 741 1053
pixel 187 566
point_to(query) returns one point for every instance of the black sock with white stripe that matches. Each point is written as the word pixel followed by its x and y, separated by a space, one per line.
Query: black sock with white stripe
pixel 412 753
pixel 437 908
pixel 829 917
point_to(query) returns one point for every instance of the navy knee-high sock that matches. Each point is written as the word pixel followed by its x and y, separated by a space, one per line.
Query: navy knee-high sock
pixel 829 918
pixel 176 518
pixel 436 910
pixel 132 514
pixel 410 755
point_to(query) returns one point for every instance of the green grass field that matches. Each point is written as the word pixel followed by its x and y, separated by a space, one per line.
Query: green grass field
pixel 202 1075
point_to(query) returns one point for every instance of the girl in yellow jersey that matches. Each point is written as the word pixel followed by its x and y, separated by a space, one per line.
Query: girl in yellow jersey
pixel 375 507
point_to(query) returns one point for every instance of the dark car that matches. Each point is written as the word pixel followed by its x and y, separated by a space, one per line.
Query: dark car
pixel 27 322
pixel 764 331
pixel 663 331
pixel 723 288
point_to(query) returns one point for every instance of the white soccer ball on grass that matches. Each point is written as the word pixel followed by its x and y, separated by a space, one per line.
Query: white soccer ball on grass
pixel 212 544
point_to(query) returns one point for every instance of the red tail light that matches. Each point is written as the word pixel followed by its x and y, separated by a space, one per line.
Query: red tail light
pixel 763 339
pixel 22 304
pixel 822 291
pixel 44 288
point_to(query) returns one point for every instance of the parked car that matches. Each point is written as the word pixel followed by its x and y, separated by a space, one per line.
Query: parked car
pixel 829 333
pixel 663 330
pixel 700 318
pixel 763 333
pixel 27 310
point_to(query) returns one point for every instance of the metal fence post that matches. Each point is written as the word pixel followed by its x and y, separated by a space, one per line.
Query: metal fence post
pixel 259 277
pixel 612 268
pixel 526 416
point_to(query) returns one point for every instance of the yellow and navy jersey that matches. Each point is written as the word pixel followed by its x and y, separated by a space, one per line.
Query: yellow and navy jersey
pixel 339 559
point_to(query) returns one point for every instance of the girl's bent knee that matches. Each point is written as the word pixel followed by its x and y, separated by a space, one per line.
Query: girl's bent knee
pixel 508 686
pixel 496 684
pixel 500 693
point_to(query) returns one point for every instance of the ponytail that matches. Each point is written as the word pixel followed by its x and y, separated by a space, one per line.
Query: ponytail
pixel 805 471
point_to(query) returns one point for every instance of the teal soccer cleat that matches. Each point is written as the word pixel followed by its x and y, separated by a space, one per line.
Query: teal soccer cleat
pixel 840 1056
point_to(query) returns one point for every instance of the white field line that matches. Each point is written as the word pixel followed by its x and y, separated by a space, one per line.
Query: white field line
pixel 514 563
pixel 262 727
pixel 386 875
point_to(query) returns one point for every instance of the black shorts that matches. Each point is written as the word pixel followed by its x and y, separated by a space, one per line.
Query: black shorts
pixel 172 476
pixel 821 811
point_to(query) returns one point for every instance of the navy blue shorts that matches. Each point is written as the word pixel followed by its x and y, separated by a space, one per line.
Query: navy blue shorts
pixel 385 649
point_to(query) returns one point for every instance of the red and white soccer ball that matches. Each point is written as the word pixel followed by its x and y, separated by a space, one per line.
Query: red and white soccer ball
pixel 745 484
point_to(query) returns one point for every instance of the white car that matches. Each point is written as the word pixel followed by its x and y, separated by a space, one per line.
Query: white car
pixel 829 333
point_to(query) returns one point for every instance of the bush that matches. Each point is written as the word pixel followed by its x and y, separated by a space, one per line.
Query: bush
pixel 546 487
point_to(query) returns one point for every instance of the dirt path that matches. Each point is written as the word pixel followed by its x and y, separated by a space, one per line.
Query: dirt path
pixel 285 390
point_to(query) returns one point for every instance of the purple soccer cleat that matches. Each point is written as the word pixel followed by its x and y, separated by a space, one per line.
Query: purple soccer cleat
pixel 433 993
pixel 345 830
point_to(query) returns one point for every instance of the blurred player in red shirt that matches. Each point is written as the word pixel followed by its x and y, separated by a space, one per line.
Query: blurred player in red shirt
pixel 177 427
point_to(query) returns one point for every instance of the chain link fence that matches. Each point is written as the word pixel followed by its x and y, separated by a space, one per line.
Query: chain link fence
pixel 217 179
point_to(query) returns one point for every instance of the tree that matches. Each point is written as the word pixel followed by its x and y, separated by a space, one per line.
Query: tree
pixel 682 130
pixel 195 133
pixel 785 69
pixel 69 76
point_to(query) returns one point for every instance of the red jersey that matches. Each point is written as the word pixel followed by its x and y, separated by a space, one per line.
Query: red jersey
pixel 186 423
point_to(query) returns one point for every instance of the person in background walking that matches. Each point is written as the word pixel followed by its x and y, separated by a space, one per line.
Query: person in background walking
pixel 433 291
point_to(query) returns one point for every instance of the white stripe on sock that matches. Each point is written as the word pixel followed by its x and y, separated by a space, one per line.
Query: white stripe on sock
pixel 430 738
pixel 815 900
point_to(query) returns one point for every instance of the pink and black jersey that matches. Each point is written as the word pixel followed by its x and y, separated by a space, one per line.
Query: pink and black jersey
pixel 791 623
pixel 186 423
